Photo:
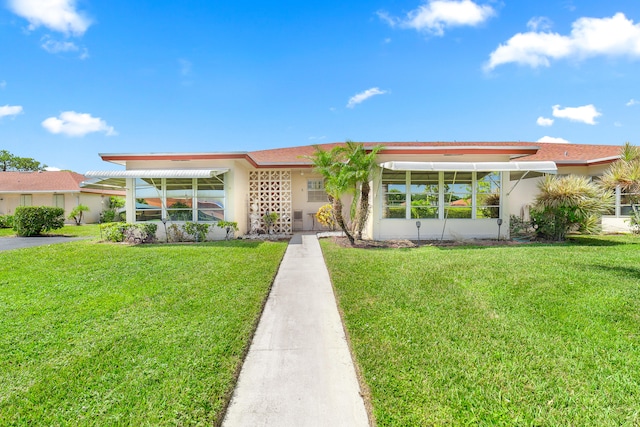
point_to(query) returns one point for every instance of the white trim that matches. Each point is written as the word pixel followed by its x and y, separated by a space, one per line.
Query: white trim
pixel 158 173
pixel 544 167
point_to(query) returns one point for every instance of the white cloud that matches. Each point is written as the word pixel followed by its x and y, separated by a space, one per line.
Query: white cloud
pixel 10 110
pixel 54 46
pixel 317 138
pixel 617 124
pixel 56 15
pixel 539 23
pixel 632 102
pixel 52 169
pixel 3 84
pixel 543 121
pixel 552 140
pixel 363 96
pixel 614 36
pixel 71 123
pixel 436 15
pixel 585 114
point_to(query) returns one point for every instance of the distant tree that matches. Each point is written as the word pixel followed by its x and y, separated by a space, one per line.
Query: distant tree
pixel 10 162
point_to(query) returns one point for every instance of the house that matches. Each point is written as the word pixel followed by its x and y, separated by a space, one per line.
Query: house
pixel 455 189
pixel 52 188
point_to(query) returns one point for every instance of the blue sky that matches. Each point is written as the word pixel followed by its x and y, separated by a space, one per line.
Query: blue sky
pixel 78 78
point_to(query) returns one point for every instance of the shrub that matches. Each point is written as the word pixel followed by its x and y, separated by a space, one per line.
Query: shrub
pixel 634 221
pixel 229 226
pixel 325 216
pixel 6 221
pixel 141 233
pixel 519 227
pixel 196 229
pixel 33 220
pixel 76 213
pixel 113 231
pixel 130 233
pixel 270 220
pixel 175 233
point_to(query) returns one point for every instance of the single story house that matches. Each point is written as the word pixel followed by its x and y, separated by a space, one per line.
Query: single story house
pixel 454 189
pixel 53 188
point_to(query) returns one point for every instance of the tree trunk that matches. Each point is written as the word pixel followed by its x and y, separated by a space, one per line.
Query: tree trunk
pixel 363 209
pixel 337 211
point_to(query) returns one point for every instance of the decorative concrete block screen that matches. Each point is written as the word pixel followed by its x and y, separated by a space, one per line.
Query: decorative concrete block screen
pixel 270 190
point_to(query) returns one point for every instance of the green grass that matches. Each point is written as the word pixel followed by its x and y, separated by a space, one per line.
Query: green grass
pixel 107 334
pixel 84 230
pixel 527 335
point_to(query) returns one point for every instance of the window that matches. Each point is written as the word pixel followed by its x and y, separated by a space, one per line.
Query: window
pixel 418 194
pixel 148 195
pixel 458 194
pixel 627 201
pixel 394 194
pixel 425 190
pixel 315 191
pixel 179 199
pixel 210 196
pixel 488 195
pixel 25 200
pixel 58 200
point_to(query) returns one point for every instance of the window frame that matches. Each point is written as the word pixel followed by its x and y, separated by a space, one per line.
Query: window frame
pixel 444 207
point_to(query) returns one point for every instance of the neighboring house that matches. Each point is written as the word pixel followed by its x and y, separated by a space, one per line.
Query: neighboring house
pixel 455 189
pixel 52 188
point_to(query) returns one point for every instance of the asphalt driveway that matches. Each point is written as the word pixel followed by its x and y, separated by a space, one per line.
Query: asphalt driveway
pixel 8 243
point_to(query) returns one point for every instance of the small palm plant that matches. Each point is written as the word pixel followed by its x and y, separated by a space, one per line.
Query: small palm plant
pixel 566 203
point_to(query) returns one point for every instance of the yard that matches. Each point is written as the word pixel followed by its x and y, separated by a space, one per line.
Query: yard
pixel 108 334
pixel 519 335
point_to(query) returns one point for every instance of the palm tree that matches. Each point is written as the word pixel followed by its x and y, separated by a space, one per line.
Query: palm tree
pixel 565 203
pixel 625 173
pixel 359 165
pixel 336 181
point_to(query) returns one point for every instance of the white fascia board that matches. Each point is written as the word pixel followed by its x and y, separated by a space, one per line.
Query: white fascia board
pixel 158 173
pixel 545 167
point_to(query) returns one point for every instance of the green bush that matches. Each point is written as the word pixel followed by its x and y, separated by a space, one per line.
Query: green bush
pixel 6 221
pixel 130 233
pixel 113 231
pixel 33 220
pixel 196 229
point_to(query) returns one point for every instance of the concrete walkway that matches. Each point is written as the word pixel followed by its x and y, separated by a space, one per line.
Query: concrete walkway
pixel 299 371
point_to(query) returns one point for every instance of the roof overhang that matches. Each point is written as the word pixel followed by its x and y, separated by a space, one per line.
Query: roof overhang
pixel 117 179
pixel 541 167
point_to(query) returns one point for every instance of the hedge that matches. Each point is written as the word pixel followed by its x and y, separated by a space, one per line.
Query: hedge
pixel 33 220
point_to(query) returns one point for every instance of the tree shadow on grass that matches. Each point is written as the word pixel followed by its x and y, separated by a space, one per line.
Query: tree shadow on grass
pixel 626 272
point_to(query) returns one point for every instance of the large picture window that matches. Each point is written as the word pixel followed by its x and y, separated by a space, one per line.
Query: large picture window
pixel 439 195
pixel 179 199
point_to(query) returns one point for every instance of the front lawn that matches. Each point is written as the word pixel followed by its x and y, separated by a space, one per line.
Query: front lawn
pixel 84 230
pixel 528 335
pixel 97 334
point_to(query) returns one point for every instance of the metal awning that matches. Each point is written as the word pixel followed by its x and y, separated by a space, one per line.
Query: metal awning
pixel 117 179
pixel 541 167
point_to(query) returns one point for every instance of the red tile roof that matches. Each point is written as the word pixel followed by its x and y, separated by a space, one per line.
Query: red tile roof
pixel 43 181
